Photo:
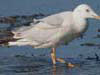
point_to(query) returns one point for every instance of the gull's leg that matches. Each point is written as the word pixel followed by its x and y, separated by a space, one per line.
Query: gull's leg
pixel 63 61
pixel 54 59
pixel 53 55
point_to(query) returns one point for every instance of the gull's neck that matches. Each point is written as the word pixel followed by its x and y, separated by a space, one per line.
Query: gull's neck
pixel 80 23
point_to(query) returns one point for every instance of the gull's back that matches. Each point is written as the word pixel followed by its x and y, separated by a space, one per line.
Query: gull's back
pixel 48 23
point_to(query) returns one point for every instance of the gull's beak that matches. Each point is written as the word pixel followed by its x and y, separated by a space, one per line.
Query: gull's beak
pixel 94 15
pixel 97 17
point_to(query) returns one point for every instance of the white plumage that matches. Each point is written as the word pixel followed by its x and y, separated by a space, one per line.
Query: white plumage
pixel 56 29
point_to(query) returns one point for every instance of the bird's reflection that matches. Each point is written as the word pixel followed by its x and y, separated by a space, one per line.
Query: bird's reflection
pixel 54 69
pixel 59 70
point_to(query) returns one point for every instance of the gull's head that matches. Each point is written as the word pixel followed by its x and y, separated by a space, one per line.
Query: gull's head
pixel 85 11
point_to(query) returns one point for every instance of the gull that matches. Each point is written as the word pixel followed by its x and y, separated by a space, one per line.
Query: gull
pixel 55 30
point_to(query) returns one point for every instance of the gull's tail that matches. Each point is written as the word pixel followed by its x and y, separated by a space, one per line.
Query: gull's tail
pixel 8 39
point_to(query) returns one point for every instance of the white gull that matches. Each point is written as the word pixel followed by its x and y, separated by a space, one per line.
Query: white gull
pixel 55 30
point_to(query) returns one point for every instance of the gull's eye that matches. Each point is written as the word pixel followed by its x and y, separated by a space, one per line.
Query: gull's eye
pixel 87 10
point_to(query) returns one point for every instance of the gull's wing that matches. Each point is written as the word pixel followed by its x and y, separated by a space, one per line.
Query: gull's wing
pixel 57 20
pixel 53 20
pixel 43 30
pixel 35 35
pixel 50 22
